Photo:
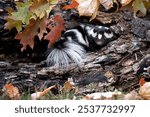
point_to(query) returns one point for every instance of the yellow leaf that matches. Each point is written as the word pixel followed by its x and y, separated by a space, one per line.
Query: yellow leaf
pixel 138 5
pixel 42 7
pixel 13 23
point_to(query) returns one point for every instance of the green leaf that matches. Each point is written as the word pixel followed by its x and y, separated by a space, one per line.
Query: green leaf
pixel 42 8
pixel 13 23
pixel 23 14
pixel 138 5
pixel 19 17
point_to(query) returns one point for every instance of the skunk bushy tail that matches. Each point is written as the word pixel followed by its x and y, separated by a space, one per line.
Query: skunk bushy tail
pixel 74 43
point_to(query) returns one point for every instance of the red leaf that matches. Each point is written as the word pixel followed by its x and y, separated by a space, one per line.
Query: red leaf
pixel 56 31
pixel 142 81
pixel 74 4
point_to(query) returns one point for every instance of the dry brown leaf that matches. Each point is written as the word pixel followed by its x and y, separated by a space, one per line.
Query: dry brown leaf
pixel 11 91
pixel 144 91
pixel 103 95
pixel 38 95
pixel 131 96
pixel 109 74
pixel 68 85
pixel 142 81
pixel 107 3
pixel 125 2
pixel 88 8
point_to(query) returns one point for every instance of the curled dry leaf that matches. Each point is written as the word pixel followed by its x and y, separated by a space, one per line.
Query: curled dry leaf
pixel 88 8
pixel 107 3
pixel 131 96
pixel 38 95
pixel 125 2
pixel 144 91
pixel 103 96
pixel 11 91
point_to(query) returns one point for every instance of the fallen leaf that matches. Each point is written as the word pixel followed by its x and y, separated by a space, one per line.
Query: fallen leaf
pixel 74 4
pixel 103 96
pixel 142 81
pixel 138 5
pixel 42 8
pixel 109 74
pixel 55 32
pixel 68 85
pixel 11 23
pixel 11 91
pixel 15 19
pixel 144 91
pixel 38 95
pixel 107 3
pixel 26 37
pixel 88 8
pixel 22 13
pixel 131 96
pixel 125 2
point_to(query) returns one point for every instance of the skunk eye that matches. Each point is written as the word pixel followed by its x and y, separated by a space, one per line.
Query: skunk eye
pixel 62 38
pixel 92 33
pixel 108 35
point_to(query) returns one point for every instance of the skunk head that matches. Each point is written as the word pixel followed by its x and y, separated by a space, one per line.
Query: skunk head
pixel 99 35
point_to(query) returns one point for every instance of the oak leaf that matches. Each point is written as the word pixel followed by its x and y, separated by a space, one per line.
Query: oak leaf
pixel 42 8
pixel 11 23
pixel 26 37
pixel 19 17
pixel 55 32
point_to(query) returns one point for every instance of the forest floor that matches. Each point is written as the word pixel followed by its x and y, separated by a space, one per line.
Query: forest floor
pixel 118 66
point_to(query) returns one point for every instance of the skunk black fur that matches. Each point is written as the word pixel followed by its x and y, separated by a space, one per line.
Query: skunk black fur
pixel 74 43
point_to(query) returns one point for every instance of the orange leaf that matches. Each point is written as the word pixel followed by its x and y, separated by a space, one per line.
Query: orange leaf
pixel 41 94
pixel 74 4
pixel 11 91
pixel 56 31
pixel 26 37
pixel 68 85
pixel 142 81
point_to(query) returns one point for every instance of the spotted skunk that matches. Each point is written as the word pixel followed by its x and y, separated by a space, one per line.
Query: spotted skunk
pixel 74 43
